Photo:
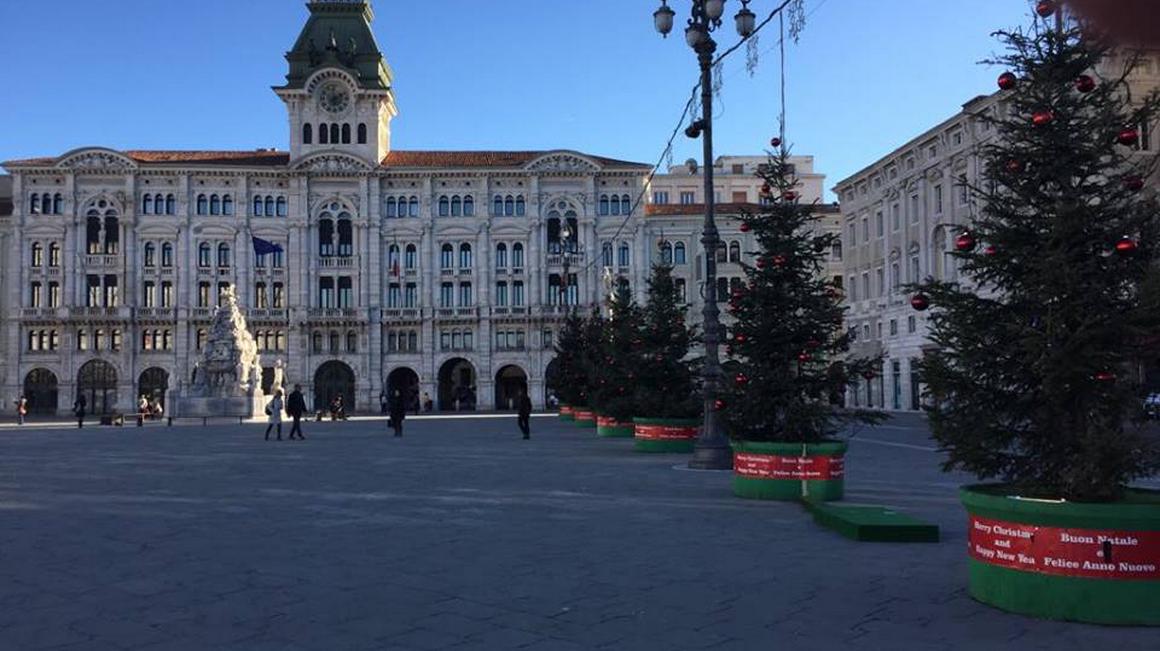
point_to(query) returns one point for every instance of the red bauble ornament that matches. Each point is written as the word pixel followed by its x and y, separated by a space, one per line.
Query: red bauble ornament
pixel 804 357
pixel 766 189
pixel 990 250
pixel 965 242
pixel 775 142
pixel 1128 137
pixel 719 404
pixel 1085 84
pixel 741 379
pixel 744 227
pixel 779 260
pixel 868 375
pixel 1134 183
pixel 1015 166
pixel 789 195
pixel 1045 8
pixel 920 302
pixel 813 343
pixel 1007 81
pixel 1042 118
pixel 760 263
pixel 1105 376
pixel 1126 246
pixel 740 338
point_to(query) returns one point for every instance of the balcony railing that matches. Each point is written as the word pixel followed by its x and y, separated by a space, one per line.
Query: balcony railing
pixel 267 313
pixel 557 259
pixel 333 313
pixel 102 260
pixel 403 313
pixel 40 312
pixel 203 312
pixel 329 262
pixel 166 313
pixel 89 312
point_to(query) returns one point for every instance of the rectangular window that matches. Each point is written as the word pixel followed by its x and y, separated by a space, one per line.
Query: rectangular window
pixel 346 292
pixel 93 295
pixel 880 223
pixel 279 296
pixel 411 297
pixel 166 293
pixel 112 296
pixel 394 295
pixel 203 294
pixel 893 327
pixel 853 288
pixel 447 295
pixel 895 277
pixel 53 293
pixel 465 295
pixel 911 324
pixel 914 269
pixel 148 294
pixel 661 197
pixel 938 199
pixel 501 294
pixel 326 292
pixel 853 236
pixel 222 288
pixel 688 198
pixel 879 330
pixel 548 339
pixel 881 273
pixel 896 217
pixel 865 229
pixel 913 208
pixel 866 285
pixel 260 297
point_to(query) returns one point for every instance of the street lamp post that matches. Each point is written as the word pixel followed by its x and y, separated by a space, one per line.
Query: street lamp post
pixel 712 451
pixel 566 237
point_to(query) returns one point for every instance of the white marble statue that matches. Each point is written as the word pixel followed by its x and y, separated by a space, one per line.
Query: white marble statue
pixel 229 366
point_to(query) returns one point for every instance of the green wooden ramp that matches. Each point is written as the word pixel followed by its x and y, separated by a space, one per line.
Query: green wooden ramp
pixel 867 523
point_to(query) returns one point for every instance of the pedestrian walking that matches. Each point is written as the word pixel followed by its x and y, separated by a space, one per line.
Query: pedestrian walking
pixel 21 409
pixel 525 417
pixel 398 413
pixel 274 411
pixel 296 407
pixel 79 409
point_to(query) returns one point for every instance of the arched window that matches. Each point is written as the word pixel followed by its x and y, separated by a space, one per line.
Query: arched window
pixel 410 257
pixel 468 206
pixel 446 256
pixel 54 255
pixel 603 204
pixel 392 257
pixel 269 206
pixel 215 205
pixel 147 205
pixel 334 341
pixel 679 253
pixel 323 134
pixel 34 208
pixel 518 256
pixel 734 251
pixel 444 206
pixel 281 207
pixel 316 342
pixel 497 206
pixel 392 207
pixel 159 204
pixel 615 202
pixel 465 256
pixel 345 235
pixel 57 203
pixel 37 254
pixel 202 205
pixel 227 205
pixel 352 342
pixel 362 133
pixel 334 131
pixel 624 256
pixel 346 134
pixel 167 255
pixel 554 244
pixel 625 204
pixel 112 235
pixel 325 236
pixel 203 253
pixel 93 233
pixel 307 133
pixel 722 252
pixel 150 254
pixel 456 206
pixel 414 207
pixel 521 207
pixel 258 206
pixel 509 206
pixel 170 204
pixel 666 253
pixel 223 255
pixel 501 256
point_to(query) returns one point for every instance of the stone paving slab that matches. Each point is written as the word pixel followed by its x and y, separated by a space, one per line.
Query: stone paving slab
pixel 462 536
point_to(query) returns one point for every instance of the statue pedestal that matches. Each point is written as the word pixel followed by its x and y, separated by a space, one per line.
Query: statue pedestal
pixel 247 407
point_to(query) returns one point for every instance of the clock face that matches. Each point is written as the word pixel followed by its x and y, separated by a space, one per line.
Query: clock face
pixel 334 98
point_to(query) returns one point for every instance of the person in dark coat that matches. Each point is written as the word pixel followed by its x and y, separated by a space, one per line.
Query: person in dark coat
pixel 524 404
pixel 296 407
pixel 79 409
pixel 398 412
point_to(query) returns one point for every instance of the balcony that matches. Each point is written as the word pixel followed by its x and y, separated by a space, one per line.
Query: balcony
pixel 202 312
pixel 331 262
pixel 457 313
pixel 557 259
pixel 52 271
pixel 101 312
pixel 96 261
pixel 264 313
pixel 465 272
pixel 334 313
pixel 224 271
pixel 164 313
pixel 509 311
pixel 556 309
pixel 446 272
pixel 40 313
pixel 403 313
pixel 410 273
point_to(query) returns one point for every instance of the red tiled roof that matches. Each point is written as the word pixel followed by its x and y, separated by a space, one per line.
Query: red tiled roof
pixel 393 159
pixel 673 209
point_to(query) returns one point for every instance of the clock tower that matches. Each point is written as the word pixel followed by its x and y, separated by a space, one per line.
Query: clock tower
pixel 338 92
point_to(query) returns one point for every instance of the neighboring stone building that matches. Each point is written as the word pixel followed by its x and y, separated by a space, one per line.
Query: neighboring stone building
pixel 902 214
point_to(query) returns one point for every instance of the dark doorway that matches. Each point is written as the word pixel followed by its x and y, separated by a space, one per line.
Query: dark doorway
pixel 334 379
pixel 510 383
pixel 41 392
pixel 405 380
pixel 97 382
pixel 551 383
pixel 457 385
pixel 153 384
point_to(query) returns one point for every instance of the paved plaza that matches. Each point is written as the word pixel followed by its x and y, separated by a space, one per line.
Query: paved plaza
pixel 462 536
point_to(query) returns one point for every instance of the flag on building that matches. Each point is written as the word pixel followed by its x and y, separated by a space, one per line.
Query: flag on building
pixel 265 247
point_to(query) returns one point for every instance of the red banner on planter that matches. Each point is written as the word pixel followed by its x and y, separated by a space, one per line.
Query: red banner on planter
pixel 665 432
pixel 770 466
pixel 581 414
pixel 608 421
pixel 1091 553
pixel 565 410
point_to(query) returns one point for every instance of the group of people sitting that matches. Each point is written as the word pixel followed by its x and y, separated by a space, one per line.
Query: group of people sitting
pixel 336 409
pixel 149 409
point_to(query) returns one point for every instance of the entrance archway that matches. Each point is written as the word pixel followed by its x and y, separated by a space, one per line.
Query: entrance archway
pixel 457 385
pixel 153 384
pixel 407 381
pixel 41 392
pixel 551 381
pixel 97 382
pixel 510 383
pixel 334 379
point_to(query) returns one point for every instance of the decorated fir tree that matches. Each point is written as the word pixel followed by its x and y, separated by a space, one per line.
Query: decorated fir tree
pixel 614 366
pixel 666 383
pixel 1033 379
pixel 570 382
pixel 787 346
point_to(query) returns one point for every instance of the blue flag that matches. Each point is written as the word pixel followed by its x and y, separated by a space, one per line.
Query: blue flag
pixel 265 247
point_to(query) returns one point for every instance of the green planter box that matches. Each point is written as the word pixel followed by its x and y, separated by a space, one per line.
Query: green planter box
pixel 609 427
pixel 566 413
pixel 1096 563
pixel 584 417
pixel 789 471
pixel 665 434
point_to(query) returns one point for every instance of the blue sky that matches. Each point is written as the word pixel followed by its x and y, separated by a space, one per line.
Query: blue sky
pixel 590 75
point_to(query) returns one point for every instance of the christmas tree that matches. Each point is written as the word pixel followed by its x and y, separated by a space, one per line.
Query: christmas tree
pixel 570 382
pixel 1032 381
pixel 787 344
pixel 616 354
pixel 666 382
